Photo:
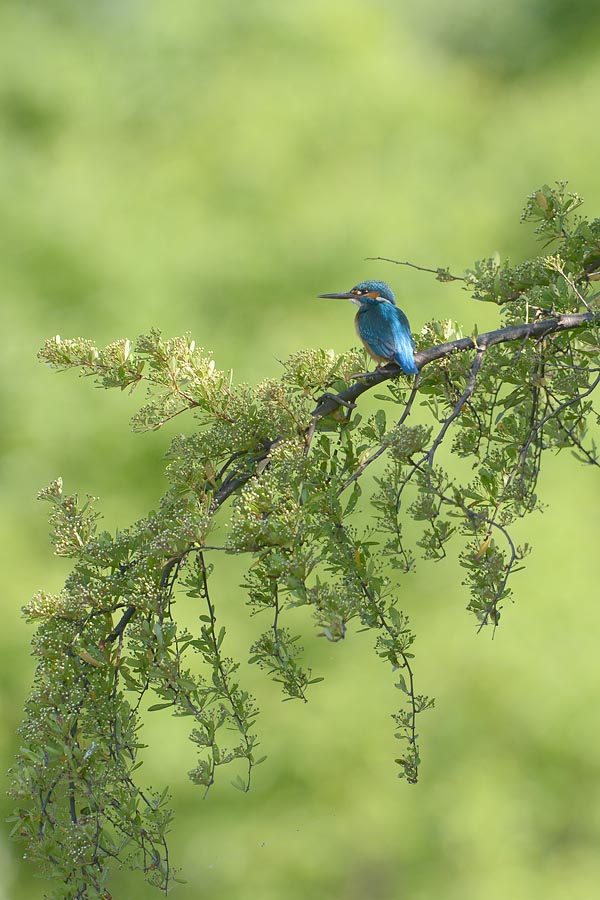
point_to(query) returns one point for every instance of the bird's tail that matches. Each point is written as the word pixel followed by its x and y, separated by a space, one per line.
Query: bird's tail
pixel 405 357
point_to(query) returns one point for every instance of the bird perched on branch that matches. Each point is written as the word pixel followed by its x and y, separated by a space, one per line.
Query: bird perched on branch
pixel 381 326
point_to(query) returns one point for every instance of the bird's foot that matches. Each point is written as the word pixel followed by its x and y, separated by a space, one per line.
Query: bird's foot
pixel 380 368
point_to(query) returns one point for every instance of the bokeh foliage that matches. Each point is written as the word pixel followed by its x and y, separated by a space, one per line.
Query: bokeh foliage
pixel 211 168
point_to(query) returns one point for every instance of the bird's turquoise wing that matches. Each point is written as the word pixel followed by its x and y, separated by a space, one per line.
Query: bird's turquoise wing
pixel 385 332
pixel 404 344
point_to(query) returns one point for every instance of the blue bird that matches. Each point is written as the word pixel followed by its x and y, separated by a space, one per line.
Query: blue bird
pixel 381 326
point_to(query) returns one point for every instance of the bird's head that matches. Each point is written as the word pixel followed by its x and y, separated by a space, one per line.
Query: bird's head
pixel 365 293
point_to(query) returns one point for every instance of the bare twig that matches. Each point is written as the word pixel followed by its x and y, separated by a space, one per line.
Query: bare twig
pixel 441 273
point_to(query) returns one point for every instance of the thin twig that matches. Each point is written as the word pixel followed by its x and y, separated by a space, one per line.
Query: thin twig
pixel 377 453
pixel 228 691
pixel 466 394
pixel 441 273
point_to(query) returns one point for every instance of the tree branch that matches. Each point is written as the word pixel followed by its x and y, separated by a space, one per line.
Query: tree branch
pixel 328 403
pixel 121 625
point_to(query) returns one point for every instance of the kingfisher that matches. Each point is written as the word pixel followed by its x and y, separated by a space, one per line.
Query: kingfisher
pixel 381 326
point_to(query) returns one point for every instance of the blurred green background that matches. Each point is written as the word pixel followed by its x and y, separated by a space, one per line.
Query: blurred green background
pixel 211 167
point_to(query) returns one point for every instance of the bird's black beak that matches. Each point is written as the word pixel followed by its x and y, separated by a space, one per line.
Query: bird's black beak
pixel 348 295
